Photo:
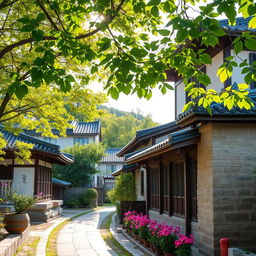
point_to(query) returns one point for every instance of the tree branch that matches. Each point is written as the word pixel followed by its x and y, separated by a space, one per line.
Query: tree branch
pixel 51 38
pixel 4 104
pixel 5 3
pixel 47 15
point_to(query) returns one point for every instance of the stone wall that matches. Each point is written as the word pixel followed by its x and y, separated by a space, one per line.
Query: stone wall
pixel 227 186
pixel 205 191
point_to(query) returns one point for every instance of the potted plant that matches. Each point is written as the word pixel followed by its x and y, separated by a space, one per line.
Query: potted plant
pixel 183 245
pixel 168 235
pixel 16 223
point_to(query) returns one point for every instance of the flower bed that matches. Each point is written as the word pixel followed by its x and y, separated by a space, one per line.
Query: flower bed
pixel 162 238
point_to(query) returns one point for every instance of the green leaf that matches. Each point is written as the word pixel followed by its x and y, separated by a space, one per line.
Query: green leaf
pixel 38 34
pixel 154 2
pixel 238 47
pixel 70 78
pixel 154 11
pixel 204 79
pixel 164 32
pixel 113 91
pixel 181 35
pixel 24 20
pixel 21 91
pixel 36 74
pixel 27 28
pixel 138 53
pixel 205 58
pixel 250 43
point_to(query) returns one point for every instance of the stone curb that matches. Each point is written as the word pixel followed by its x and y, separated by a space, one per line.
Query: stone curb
pixel 11 243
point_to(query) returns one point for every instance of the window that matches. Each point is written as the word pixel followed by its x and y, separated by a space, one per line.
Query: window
pixel 154 188
pixel 165 189
pixel 142 182
pixel 43 182
pixel 81 140
pixel 197 85
pixel 177 186
pixel 50 140
pixel 111 168
pixel 252 58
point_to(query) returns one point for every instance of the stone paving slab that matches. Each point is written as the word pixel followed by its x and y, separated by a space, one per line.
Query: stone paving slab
pixel 81 236
pixel 44 234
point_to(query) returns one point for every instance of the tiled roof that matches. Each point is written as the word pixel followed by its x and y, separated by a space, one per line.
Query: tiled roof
pixel 79 128
pixel 126 167
pixel 60 182
pixel 241 25
pixel 155 129
pixel 39 145
pixel 111 156
pixel 150 132
pixel 108 176
pixel 174 138
pixel 218 109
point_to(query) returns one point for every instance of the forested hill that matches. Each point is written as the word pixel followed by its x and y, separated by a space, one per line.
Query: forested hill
pixel 119 127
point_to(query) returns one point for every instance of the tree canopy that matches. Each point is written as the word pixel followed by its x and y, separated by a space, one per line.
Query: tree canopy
pixel 126 44
pixel 85 159
pixel 119 127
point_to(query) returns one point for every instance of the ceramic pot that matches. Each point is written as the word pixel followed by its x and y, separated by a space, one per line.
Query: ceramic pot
pixel 158 252
pixel 146 243
pixel 16 223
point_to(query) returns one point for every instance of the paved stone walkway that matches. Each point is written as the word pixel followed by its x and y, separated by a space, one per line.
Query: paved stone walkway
pixel 81 236
pixel 45 233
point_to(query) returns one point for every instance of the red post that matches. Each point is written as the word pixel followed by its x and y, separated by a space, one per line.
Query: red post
pixel 224 245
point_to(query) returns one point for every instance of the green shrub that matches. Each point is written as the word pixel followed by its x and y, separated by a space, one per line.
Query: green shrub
pixel 83 199
pixel 124 189
pixel 21 202
pixel 91 193
pixel 73 203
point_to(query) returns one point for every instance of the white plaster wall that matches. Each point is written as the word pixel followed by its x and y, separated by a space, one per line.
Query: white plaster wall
pixel 103 167
pixel 237 76
pixel 211 71
pixel 140 197
pixel 23 180
pixel 67 142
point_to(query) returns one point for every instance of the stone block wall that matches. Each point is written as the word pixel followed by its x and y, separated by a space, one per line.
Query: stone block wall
pixel 227 186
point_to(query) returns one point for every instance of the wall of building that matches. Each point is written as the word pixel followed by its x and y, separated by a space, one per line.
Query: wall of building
pixel 139 196
pixel 227 186
pixel 23 180
pixel 66 142
pixel 103 167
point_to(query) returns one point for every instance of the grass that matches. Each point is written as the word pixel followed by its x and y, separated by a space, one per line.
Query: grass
pixel 109 239
pixel 29 247
pixel 51 246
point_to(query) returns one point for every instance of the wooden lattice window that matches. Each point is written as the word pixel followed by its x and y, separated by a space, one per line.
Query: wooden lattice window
pixel 154 188
pixel 177 187
pixel 165 188
pixel 43 183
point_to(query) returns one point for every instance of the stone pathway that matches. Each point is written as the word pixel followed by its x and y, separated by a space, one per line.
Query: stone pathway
pixel 44 233
pixel 82 236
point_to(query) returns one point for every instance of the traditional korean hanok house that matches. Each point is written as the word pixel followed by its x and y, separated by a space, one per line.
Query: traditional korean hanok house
pixel 32 178
pixel 201 175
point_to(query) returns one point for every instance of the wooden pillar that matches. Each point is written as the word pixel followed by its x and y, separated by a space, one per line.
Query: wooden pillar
pixel 36 177
pixel 187 194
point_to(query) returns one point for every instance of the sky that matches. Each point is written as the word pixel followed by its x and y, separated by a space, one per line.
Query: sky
pixel 160 107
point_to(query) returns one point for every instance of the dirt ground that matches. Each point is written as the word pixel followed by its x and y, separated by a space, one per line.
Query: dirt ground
pixel 29 247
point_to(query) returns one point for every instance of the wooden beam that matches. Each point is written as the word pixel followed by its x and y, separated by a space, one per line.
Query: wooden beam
pixel 188 197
